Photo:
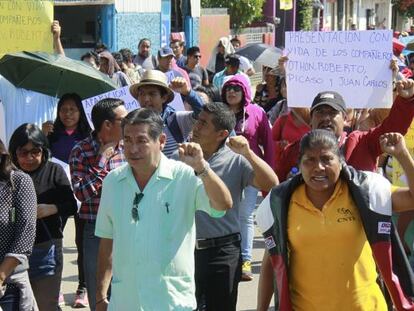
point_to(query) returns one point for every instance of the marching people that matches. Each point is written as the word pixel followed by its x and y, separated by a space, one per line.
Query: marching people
pixel 18 231
pixel 144 58
pixel 90 161
pixel 218 262
pixel 153 92
pixel 29 152
pixel 252 123
pixel 146 221
pixel 70 127
pixel 216 62
pixel 329 231
pixel 360 149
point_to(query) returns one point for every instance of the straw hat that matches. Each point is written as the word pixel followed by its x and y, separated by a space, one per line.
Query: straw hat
pixel 153 77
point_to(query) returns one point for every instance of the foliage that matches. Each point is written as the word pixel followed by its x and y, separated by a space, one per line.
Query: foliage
pixel 242 12
pixel 405 7
pixel 304 14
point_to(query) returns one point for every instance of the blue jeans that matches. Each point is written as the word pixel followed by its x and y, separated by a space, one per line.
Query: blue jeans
pixel 10 300
pixel 247 207
pixel 90 261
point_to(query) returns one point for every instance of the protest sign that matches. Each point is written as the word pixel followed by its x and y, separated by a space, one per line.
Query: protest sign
pixel 398 175
pixel 356 64
pixel 25 26
pixel 130 102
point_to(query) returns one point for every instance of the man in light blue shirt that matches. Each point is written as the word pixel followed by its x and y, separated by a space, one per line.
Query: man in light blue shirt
pixel 146 220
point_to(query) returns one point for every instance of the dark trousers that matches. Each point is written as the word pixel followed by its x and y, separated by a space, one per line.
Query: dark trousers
pixel 79 223
pixel 10 300
pixel 217 277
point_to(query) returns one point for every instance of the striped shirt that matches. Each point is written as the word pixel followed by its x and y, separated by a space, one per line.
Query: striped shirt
pixel 185 121
pixel 88 168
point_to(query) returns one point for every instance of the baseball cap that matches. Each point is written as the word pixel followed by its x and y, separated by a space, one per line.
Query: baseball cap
pixel 329 98
pixel 165 51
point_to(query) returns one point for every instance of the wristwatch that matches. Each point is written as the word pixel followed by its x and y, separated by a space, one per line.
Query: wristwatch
pixel 204 172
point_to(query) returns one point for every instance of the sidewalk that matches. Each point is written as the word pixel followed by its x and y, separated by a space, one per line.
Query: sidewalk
pixel 247 290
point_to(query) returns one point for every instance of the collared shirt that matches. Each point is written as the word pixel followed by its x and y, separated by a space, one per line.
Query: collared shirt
pixel 331 261
pixel 88 168
pixel 237 173
pixel 153 258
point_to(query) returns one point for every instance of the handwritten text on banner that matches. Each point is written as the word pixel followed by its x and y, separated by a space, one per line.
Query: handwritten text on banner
pixel 354 63
pixel 130 102
pixel 25 26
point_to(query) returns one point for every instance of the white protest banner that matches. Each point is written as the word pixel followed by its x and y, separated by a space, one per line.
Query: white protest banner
pixel 130 102
pixel 356 64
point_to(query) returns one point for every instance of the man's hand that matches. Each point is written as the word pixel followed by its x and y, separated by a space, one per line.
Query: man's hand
pixel 102 306
pixel 393 144
pixel 282 62
pixel 192 155
pixel 180 85
pixel 56 29
pixel 405 88
pixel 108 150
pixel 47 127
pixel 239 144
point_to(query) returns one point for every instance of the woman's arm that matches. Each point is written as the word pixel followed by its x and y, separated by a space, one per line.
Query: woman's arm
pixel 394 145
pixel 265 288
pixel 24 218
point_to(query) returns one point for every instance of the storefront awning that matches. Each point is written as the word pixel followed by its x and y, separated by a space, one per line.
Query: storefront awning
pixel 83 2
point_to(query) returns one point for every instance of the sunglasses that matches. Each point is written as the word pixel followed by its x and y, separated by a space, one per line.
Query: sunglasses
pixel 23 153
pixel 235 88
pixel 134 211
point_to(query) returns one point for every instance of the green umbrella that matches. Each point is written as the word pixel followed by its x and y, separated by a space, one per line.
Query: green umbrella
pixel 54 75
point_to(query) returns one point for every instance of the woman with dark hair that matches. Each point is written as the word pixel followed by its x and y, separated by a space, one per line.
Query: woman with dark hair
pixel 29 152
pixel 17 231
pixel 329 232
pixel 70 127
pixel 252 123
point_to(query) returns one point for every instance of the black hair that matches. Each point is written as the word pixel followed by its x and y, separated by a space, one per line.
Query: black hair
pixel 142 40
pixel 104 110
pixel 212 91
pixel 82 128
pixel 6 165
pixel 91 54
pixel 126 54
pixel 144 116
pixel 118 58
pixel 235 39
pixel 25 133
pixel 194 49
pixel 99 47
pixel 182 43
pixel 223 117
pixel 322 139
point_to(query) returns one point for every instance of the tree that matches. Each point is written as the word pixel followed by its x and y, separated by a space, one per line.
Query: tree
pixel 242 12
pixel 304 14
pixel 405 7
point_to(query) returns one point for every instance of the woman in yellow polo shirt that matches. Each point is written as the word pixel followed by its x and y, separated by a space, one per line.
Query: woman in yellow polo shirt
pixel 329 229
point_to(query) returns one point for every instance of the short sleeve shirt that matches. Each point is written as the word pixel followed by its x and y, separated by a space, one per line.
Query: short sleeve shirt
pixel 197 75
pixel 153 258
pixel 331 266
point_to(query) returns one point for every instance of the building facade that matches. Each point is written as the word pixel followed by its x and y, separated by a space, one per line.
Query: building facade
pixel 122 23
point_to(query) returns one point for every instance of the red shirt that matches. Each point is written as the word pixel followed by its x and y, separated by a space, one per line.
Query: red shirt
pixel 285 129
pixel 88 168
pixel 360 149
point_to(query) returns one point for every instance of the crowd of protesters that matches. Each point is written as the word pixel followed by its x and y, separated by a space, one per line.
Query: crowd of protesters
pixel 164 200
